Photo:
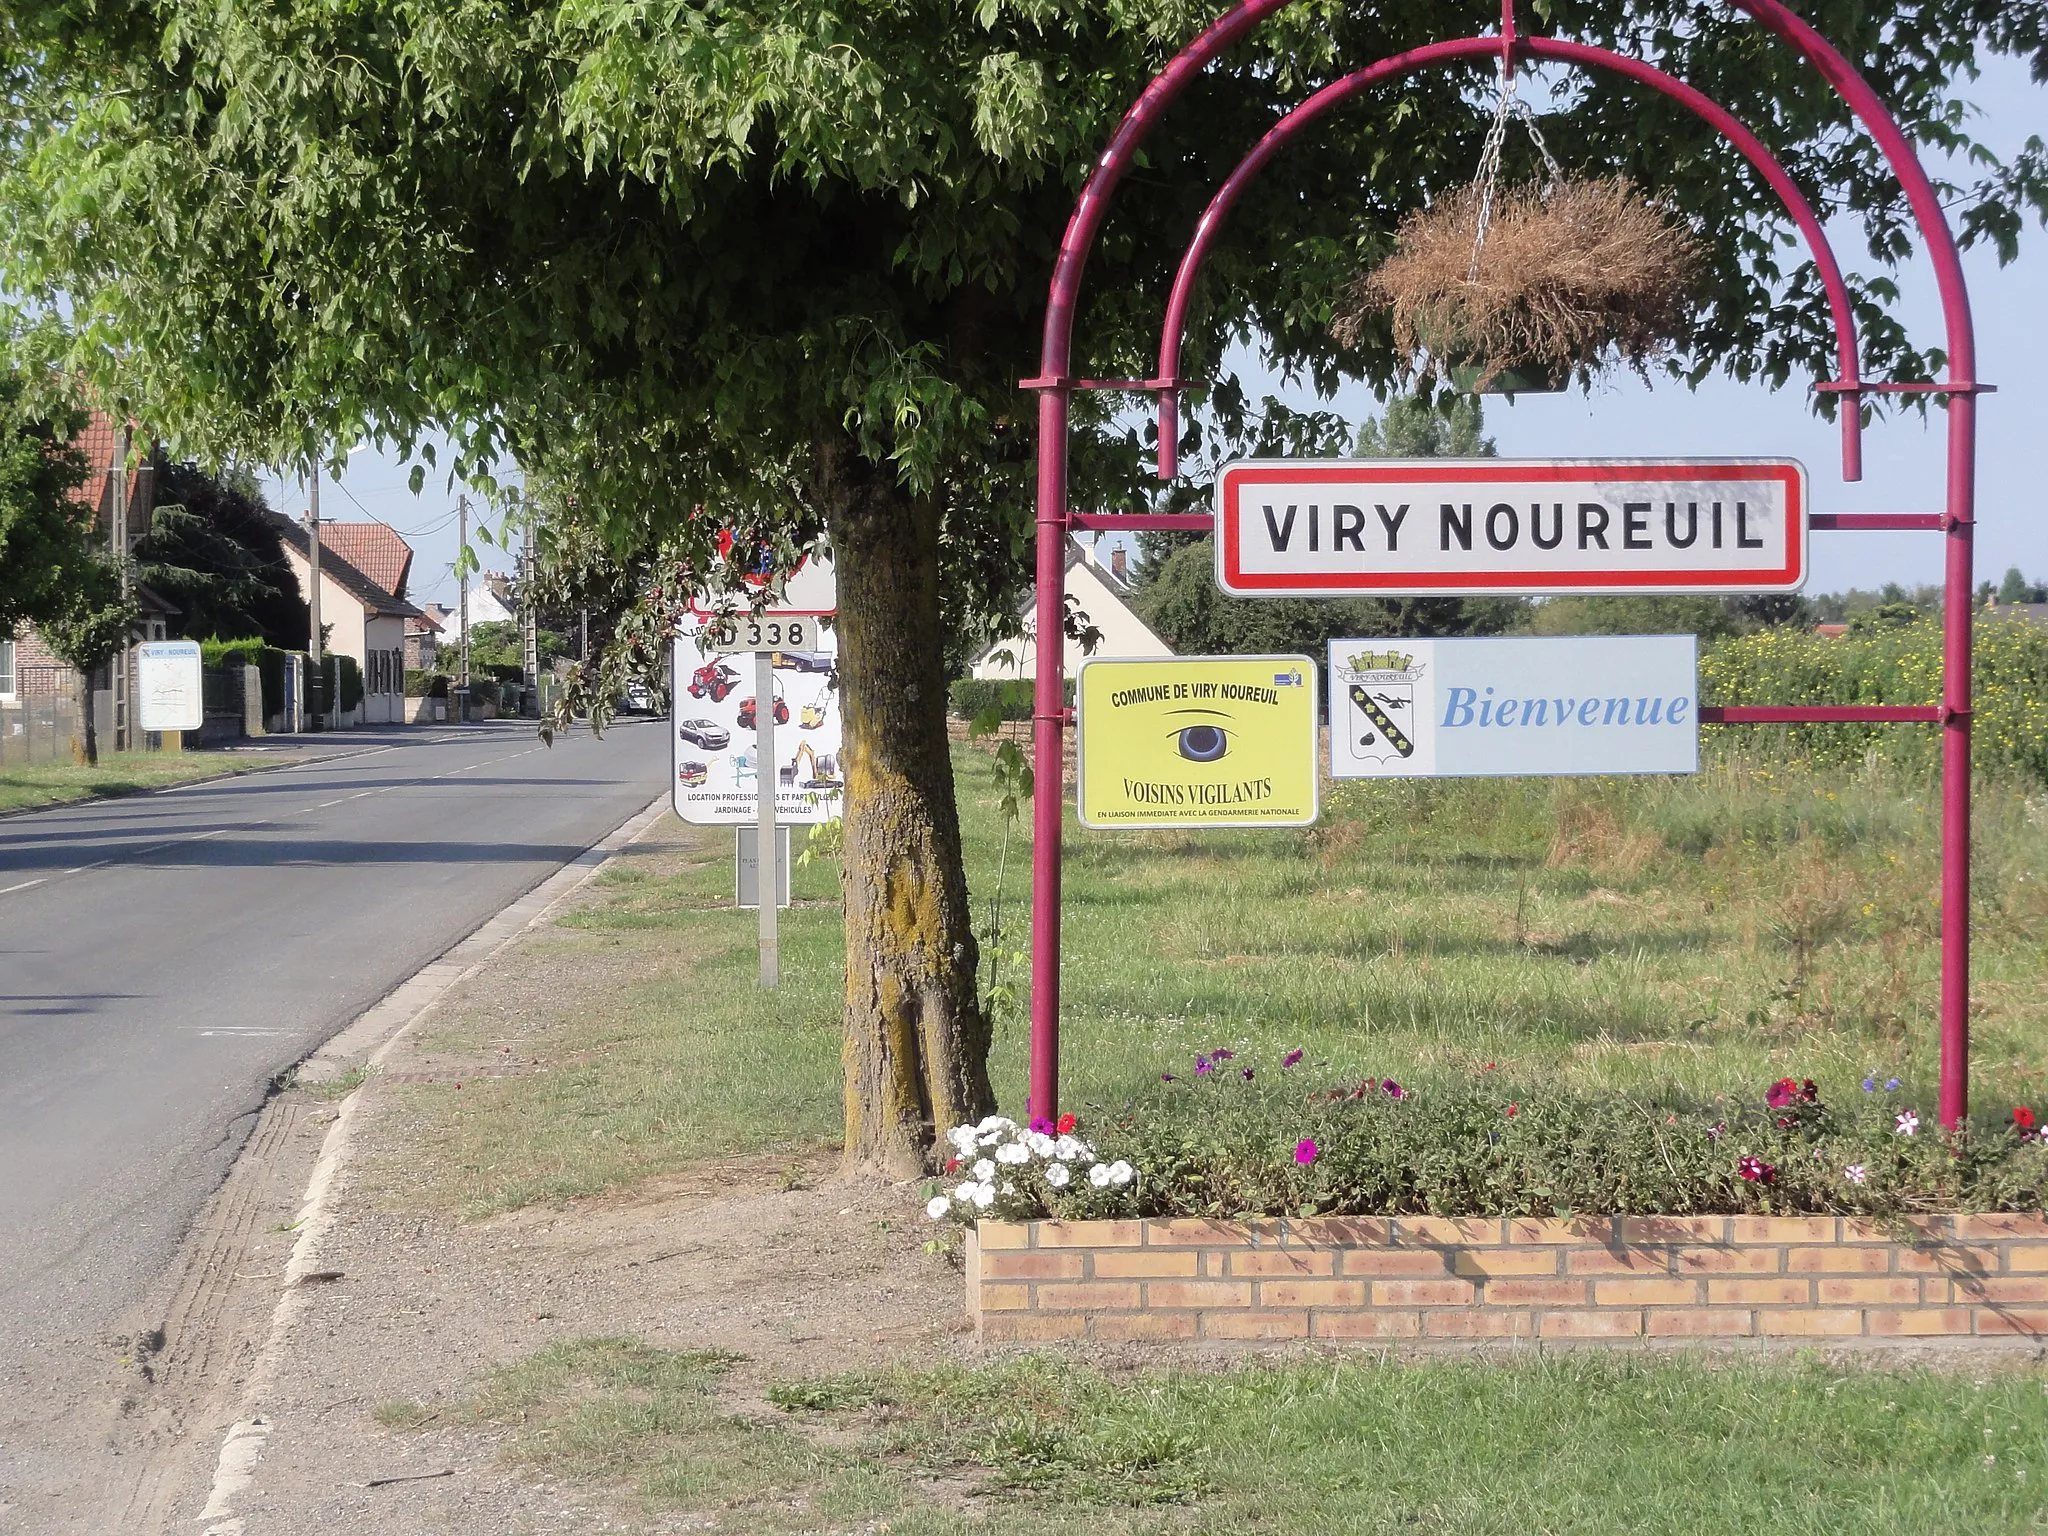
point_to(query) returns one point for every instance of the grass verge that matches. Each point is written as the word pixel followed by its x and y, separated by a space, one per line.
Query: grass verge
pixel 1578 1443
pixel 1709 933
pixel 33 785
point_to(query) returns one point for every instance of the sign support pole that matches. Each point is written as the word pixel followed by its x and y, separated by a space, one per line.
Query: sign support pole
pixel 767 878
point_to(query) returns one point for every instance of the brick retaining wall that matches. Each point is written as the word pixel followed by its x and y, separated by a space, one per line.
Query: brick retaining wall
pixel 1670 1278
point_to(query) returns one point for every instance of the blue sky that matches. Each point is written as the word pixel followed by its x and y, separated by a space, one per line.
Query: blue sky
pixel 1903 456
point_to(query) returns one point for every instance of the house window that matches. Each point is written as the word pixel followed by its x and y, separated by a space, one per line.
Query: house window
pixel 6 669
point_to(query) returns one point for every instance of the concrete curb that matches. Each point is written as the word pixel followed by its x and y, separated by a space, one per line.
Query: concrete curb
pixel 365 1043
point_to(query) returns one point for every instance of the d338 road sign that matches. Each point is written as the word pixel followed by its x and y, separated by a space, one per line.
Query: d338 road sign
pixel 1473 526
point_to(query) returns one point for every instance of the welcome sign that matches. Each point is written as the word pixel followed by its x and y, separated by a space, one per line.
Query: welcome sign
pixel 1197 741
pixel 1418 526
pixel 1511 707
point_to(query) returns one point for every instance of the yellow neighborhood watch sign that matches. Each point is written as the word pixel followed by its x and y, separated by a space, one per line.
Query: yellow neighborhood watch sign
pixel 1197 741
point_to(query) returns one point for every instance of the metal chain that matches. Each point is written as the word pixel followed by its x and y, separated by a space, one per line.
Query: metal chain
pixel 1506 104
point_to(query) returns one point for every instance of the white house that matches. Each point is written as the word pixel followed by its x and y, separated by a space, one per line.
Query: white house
pixel 1101 593
pixel 363 619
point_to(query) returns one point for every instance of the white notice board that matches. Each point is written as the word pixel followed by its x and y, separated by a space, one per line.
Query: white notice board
pixel 169 695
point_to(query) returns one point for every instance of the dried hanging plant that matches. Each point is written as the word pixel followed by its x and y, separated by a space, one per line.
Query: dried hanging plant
pixel 1560 276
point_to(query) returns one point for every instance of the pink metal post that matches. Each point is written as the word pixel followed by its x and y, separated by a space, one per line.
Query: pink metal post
pixel 1957 521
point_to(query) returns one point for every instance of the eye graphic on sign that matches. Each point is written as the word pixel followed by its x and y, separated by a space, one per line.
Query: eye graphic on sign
pixel 1204 742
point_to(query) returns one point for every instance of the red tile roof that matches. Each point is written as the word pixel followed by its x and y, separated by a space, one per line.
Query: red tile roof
pixel 97 443
pixel 372 548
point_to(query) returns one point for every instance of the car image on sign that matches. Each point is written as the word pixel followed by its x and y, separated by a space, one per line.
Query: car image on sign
pixel 708 734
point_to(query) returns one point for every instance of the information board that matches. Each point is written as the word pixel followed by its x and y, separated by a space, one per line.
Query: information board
pixel 1532 527
pixel 1514 706
pixel 169 686
pixel 1197 741
pixel 714 758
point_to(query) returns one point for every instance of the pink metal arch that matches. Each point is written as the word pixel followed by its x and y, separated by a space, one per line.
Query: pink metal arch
pixel 1957 520
pixel 1296 122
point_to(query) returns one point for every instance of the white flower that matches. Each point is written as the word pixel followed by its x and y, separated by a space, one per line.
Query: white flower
pixel 996 1123
pixel 1067 1149
pixel 1039 1143
pixel 962 1138
pixel 966 1191
pixel 1855 1173
pixel 1012 1152
pixel 984 1196
pixel 938 1207
pixel 1056 1175
pixel 1121 1173
pixel 1908 1123
pixel 1009 1188
pixel 984 1170
pixel 1099 1175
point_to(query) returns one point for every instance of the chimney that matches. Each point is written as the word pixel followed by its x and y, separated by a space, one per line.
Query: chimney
pixel 1117 564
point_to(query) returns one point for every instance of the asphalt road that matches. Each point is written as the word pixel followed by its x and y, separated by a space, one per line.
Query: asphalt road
pixel 162 957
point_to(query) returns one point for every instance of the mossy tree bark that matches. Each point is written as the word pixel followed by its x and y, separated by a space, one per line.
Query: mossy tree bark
pixel 916 1045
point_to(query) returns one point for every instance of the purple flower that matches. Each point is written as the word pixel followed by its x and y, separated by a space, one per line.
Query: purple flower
pixel 1891 1085
pixel 1290 1059
pixel 1204 1066
pixel 1305 1151
pixel 1715 1132
pixel 1223 1055
pixel 1870 1084
pixel 1041 1125
pixel 1168 1077
pixel 1393 1090
pixel 1247 1074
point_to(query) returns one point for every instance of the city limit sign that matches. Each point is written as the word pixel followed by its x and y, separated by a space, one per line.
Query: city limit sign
pixel 1340 527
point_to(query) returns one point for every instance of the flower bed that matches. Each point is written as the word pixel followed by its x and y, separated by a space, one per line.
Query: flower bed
pixel 1231 1204
pixel 1226 1139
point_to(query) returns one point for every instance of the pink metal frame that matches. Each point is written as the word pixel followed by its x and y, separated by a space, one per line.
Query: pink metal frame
pixel 1054 386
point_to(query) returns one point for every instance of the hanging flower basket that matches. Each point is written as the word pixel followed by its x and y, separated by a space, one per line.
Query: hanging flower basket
pixel 1530 286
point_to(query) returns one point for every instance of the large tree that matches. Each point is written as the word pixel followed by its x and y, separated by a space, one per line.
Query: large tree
pixel 784 260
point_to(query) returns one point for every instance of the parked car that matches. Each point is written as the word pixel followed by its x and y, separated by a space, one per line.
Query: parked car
pixel 714 680
pixel 803 661
pixel 812 715
pixel 747 721
pixel 638 699
pixel 708 734
pixel 692 774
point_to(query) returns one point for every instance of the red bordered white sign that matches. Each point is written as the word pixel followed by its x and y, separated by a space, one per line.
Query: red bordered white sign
pixel 811 591
pixel 1336 528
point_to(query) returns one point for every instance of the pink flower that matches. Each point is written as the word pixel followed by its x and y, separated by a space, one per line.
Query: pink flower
pixel 1305 1151
pixel 1041 1125
pixel 1393 1090
pixel 1907 1123
pixel 1292 1058
pixel 1855 1173
pixel 1204 1066
pixel 1756 1170
pixel 1781 1093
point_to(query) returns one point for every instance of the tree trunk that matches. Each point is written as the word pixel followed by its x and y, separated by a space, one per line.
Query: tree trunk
pixel 85 746
pixel 916 1048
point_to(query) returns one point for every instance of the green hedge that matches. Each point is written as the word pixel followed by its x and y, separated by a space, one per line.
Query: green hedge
pixel 970 696
pixel 421 683
pixel 1891 666
pixel 268 660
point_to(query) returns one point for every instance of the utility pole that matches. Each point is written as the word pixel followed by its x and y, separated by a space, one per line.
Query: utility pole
pixel 462 565
pixel 317 687
pixel 118 670
pixel 529 625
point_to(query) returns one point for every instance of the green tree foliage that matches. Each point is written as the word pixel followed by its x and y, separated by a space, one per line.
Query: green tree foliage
pixel 786 260
pixel 46 545
pixel 2017 589
pixel 213 551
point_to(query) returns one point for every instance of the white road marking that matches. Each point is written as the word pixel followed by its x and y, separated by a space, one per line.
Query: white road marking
pixel 24 885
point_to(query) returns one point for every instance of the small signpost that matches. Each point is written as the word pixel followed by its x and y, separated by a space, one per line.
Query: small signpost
pixel 1337 528
pixel 1514 707
pixel 1197 741
pixel 716 779
pixel 169 686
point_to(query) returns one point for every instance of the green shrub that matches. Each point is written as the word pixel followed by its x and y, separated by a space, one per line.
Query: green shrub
pixel 423 683
pixel 1226 1139
pixel 969 697
pixel 1900 664
pixel 268 660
